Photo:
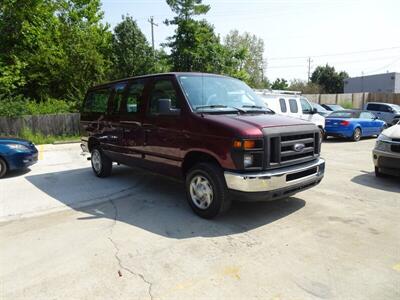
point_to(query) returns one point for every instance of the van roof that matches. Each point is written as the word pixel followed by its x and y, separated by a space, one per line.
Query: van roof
pixel 152 75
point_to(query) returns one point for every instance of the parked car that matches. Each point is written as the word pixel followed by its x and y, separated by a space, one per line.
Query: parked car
pixel 332 107
pixel 386 154
pixel 212 130
pixel 16 154
pixel 292 104
pixel 353 124
pixel 321 110
pixel 390 113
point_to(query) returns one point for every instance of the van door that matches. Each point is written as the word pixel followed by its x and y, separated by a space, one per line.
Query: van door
pixel 113 132
pixel 163 128
pixel 131 121
pixel 94 114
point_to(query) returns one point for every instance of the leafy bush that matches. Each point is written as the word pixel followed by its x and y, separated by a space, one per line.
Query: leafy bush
pixel 19 106
pixel 347 104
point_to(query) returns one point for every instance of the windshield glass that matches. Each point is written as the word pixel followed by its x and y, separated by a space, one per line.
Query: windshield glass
pixel 395 107
pixel 208 92
pixel 319 107
pixel 343 114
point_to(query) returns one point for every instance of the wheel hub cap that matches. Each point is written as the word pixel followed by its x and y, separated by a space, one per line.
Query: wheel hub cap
pixel 201 192
pixel 96 161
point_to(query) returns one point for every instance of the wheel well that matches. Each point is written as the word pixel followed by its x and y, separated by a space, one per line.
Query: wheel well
pixel 91 143
pixel 195 157
pixel 5 161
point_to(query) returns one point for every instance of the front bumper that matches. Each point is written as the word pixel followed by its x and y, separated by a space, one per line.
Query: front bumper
pixel 387 162
pixel 22 160
pixel 283 179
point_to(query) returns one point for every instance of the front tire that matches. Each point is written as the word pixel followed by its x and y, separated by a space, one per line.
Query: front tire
pixel 3 167
pixel 101 164
pixel 206 190
pixel 356 135
pixel 378 173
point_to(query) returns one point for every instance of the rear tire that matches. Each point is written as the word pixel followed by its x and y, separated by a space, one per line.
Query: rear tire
pixel 3 167
pixel 101 164
pixel 356 135
pixel 206 190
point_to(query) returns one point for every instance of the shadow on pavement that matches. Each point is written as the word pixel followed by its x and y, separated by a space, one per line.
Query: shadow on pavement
pixel 153 202
pixel 338 140
pixel 16 173
pixel 386 183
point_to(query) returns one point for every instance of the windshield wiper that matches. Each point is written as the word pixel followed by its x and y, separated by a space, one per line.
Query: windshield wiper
pixel 220 106
pixel 265 109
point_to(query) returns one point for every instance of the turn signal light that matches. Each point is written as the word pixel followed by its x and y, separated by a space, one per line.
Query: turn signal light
pixel 237 144
pixel 249 144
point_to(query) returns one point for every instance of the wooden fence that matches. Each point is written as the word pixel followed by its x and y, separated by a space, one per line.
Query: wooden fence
pixel 357 100
pixel 54 124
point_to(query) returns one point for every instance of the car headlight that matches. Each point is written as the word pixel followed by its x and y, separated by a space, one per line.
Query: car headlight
pixel 382 142
pixel 247 160
pixel 18 147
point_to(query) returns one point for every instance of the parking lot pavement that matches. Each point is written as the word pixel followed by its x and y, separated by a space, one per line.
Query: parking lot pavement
pixel 139 240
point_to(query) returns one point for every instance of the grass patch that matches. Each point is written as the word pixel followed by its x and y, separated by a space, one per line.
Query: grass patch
pixel 346 104
pixel 38 138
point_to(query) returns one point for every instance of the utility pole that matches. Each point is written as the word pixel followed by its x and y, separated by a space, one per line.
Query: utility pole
pixel 309 69
pixel 151 21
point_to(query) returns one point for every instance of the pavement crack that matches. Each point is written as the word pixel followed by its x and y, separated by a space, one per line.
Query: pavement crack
pixel 141 276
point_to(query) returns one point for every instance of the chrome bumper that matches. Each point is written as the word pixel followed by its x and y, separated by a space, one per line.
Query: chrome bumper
pixel 276 179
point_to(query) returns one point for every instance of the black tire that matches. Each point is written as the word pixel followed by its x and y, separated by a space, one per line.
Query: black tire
pixel 3 167
pixel 322 133
pixel 378 173
pixel 221 200
pixel 105 164
pixel 356 135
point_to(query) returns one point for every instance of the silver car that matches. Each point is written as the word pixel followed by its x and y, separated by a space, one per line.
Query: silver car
pixel 390 113
pixel 386 154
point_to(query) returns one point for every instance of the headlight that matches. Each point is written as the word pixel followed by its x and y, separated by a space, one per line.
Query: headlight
pixel 18 147
pixel 382 142
pixel 247 160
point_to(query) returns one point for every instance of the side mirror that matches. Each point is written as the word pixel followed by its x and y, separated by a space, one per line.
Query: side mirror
pixel 314 111
pixel 164 107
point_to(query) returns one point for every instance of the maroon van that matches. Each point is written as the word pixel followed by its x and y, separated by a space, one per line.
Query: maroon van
pixel 212 130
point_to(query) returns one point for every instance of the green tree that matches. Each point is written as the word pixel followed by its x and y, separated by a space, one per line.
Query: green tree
pixel 330 81
pixel 52 48
pixel 280 84
pixel 194 46
pixel 131 53
pixel 248 49
pixel 304 87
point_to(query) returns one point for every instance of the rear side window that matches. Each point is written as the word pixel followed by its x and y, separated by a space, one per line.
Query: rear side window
pixel 293 106
pixel 97 101
pixel 282 103
pixel 134 97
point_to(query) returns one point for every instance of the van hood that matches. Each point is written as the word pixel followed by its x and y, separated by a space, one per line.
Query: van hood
pixel 392 132
pixel 253 124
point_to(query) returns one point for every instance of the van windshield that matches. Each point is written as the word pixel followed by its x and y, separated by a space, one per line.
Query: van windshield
pixel 210 93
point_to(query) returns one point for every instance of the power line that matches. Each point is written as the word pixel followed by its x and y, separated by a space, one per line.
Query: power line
pixel 334 54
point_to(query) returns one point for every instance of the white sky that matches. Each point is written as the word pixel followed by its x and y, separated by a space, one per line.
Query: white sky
pixel 354 35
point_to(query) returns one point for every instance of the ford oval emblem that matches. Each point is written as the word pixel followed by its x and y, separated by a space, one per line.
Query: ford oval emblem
pixel 299 147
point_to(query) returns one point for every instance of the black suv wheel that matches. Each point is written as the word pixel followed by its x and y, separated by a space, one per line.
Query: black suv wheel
pixel 3 167
pixel 206 190
pixel 101 164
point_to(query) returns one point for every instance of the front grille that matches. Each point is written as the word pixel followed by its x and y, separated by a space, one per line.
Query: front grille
pixel 291 148
pixel 395 148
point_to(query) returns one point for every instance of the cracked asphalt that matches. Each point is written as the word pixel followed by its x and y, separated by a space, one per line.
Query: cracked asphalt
pixel 65 234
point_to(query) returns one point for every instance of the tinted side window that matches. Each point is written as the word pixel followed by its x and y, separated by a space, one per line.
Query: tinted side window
pixel 97 101
pixel 305 106
pixel 375 107
pixel 163 89
pixel 293 106
pixel 119 94
pixel 134 97
pixel 282 103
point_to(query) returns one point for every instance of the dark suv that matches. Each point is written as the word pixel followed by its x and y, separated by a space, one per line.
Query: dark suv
pixel 212 130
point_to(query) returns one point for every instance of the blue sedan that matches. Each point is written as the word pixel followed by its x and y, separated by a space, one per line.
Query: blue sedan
pixel 353 124
pixel 16 154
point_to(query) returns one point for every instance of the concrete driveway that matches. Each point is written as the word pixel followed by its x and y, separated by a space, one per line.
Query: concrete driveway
pixel 65 234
